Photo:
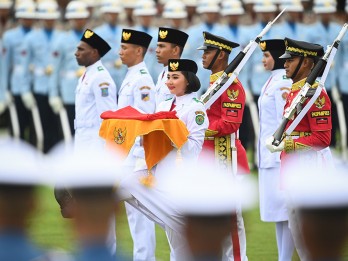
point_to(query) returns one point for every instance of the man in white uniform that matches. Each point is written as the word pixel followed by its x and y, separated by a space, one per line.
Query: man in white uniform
pixel 95 92
pixel 170 45
pixel 137 90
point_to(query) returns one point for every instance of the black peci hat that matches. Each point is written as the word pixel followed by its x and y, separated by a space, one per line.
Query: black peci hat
pixel 182 65
pixel 276 47
pixel 171 35
pixel 217 42
pixel 301 48
pixel 272 45
pixel 136 37
pixel 96 42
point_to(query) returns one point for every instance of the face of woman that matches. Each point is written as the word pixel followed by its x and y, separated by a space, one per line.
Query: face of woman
pixel 267 60
pixel 176 83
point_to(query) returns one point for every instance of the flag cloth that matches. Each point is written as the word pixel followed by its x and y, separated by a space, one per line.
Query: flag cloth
pixel 159 130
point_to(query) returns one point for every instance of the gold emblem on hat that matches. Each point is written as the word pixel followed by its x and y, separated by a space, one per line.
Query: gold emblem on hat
pixel 263 46
pixel 163 34
pixel 126 36
pixel 174 66
pixel 88 34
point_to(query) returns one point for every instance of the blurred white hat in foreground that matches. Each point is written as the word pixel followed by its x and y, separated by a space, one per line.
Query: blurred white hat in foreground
pixel 317 187
pixel 84 168
pixel 204 190
pixel 20 163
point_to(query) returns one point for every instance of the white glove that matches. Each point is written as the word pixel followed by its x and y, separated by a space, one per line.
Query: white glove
pixel 8 97
pixel 273 148
pixel 56 104
pixel 28 100
pixel 4 103
pixel 3 106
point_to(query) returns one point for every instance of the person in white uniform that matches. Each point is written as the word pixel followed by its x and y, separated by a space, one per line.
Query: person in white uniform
pixel 137 90
pixel 271 105
pixel 182 83
pixel 170 45
pixel 95 92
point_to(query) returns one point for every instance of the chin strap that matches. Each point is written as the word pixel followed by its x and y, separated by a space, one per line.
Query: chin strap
pixel 297 68
pixel 214 59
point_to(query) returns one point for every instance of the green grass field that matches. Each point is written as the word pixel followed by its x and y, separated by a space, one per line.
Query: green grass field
pixel 49 229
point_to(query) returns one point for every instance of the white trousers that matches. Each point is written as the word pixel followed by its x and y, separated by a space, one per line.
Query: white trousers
pixel 295 228
pixel 143 234
pixel 285 242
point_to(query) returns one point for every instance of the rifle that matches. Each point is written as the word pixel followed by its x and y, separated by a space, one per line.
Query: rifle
pixel 306 90
pixel 220 85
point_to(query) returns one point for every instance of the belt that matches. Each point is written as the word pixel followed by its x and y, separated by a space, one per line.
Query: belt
pixel 213 138
pixel 300 134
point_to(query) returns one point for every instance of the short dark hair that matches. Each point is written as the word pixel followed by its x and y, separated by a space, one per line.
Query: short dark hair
pixel 181 48
pixel 193 82
pixel 144 50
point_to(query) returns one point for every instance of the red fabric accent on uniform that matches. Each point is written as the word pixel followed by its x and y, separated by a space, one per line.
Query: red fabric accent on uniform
pixel 172 107
pixel 226 113
pixel 132 114
pixel 235 239
pixel 83 77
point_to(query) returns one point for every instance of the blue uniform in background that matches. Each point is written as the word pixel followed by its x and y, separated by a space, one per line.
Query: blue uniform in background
pixel 320 34
pixel 35 75
pixel 66 72
pixel 11 71
pixel 14 245
pixel 112 62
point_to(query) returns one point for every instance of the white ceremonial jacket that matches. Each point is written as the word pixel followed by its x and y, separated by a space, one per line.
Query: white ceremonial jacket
pixel 271 106
pixel 190 111
pixel 162 91
pixel 95 93
pixel 137 90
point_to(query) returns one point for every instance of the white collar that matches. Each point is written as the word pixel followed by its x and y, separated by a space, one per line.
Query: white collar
pixel 136 67
pixel 184 99
pixel 94 66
